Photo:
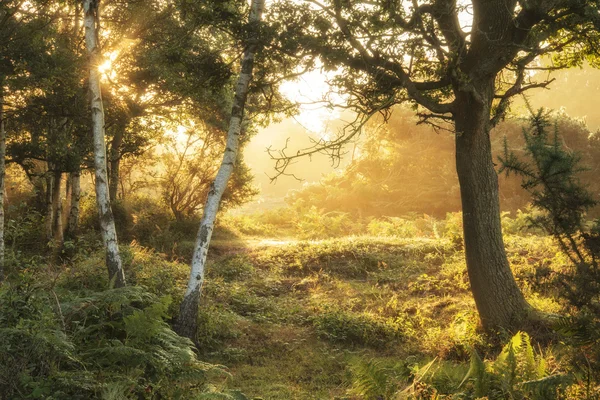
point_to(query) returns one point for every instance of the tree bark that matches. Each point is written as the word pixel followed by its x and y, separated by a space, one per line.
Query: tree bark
pixel 67 203
pixel 107 222
pixel 2 176
pixel 49 221
pixel 499 300
pixel 115 163
pixel 187 322
pixel 57 227
pixel 73 221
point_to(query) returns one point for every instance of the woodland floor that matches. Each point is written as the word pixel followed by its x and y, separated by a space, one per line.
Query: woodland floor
pixel 293 319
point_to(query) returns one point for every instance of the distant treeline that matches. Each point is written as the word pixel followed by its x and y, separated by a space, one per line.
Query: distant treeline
pixel 405 168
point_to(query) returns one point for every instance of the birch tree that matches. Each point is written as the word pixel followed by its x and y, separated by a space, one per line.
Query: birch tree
pixel 188 312
pixel 107 223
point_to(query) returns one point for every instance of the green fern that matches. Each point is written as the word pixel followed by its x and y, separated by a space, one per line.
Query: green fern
pixel 374 380
pixel 113 344
pixel 517 373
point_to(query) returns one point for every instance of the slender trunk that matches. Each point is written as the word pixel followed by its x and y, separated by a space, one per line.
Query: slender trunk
pixel 188 312
pixel 107 222
pixel 73 222
pixel 2 176
pixel 67 203
pixel 115 163
pixel 57 227
pixel 49 204
pixel 499 300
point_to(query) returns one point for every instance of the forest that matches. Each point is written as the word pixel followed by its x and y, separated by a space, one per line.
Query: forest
pixel 299 199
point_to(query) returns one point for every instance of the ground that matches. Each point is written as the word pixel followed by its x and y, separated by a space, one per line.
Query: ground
pixel 294 319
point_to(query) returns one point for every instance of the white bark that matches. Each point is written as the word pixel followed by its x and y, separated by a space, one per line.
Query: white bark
pixel 107 223
pixel 2 176
pixel 189 308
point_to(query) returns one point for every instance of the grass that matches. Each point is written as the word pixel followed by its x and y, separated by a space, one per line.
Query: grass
pixel 289 319
pixel 294 319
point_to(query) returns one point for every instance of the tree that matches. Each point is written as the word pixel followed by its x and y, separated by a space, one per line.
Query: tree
pixel 20 44
pixel 459 64
pixel 551 174
pixel 190 168
pixel 107 222
pixel 188 312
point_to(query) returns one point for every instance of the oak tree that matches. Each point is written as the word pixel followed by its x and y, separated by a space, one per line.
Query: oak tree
pixel 458 63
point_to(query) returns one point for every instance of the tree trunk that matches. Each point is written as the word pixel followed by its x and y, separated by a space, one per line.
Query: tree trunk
pixel 67 203
pixel 107 222
pixel 57 227
pixel 187 322
pixel 2 176
pixel 73 221
pixel 49 221
pixel 115 163
pixel 499 300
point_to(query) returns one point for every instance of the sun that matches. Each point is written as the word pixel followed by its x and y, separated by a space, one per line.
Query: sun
pixel 106 68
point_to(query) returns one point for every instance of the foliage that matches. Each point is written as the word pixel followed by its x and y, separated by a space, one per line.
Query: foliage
pixel 552 179
pixel 110 344
pixel 190 168
pixel 516 373
pixel 393 161
pixel 357 329
pixel 551 174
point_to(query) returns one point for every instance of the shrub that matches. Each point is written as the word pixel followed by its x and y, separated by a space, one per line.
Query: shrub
pixel 453 228
pixel 392 226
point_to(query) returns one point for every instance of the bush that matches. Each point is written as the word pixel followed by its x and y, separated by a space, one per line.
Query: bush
pixel 453 228
pixel 392 226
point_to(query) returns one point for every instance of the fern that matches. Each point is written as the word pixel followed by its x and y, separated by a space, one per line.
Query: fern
pixel 517 373
pixel 478 374
pixel 375 380
pixel 113 344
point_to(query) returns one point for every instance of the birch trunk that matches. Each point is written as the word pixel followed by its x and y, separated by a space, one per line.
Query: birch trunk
pixel 187 322
pixel 2 175
pixel 107 222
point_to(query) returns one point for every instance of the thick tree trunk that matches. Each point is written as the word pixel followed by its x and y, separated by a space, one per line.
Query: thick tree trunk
pixel 107 222
pixel 2 176
pixel 187 322
pixel 499 301
pixel 75 196
pixel 115 163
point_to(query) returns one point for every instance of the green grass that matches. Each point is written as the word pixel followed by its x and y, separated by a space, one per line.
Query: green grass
pixel 290 319
pixel 294 319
